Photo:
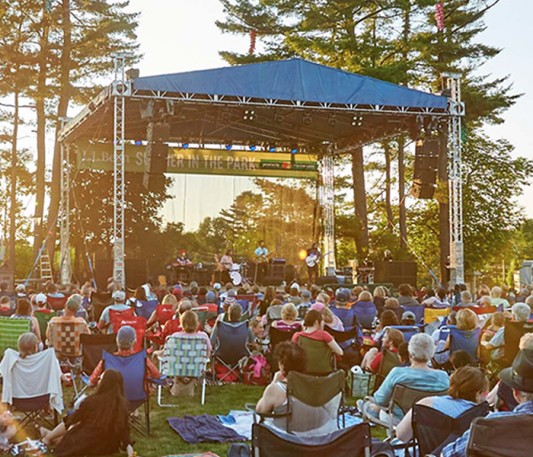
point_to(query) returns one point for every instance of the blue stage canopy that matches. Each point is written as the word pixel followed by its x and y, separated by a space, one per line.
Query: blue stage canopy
pixel 292 80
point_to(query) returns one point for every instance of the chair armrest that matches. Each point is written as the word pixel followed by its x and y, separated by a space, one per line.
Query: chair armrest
pixel 251 407
pixel 159 382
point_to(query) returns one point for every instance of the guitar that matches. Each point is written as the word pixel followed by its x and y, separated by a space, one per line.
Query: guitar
pixel 312 259
pixel 263 258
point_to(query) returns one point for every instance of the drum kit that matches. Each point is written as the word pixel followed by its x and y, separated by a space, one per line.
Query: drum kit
pixel 238 273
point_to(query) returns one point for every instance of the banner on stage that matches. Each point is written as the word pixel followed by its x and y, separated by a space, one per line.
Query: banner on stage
pixel 99 156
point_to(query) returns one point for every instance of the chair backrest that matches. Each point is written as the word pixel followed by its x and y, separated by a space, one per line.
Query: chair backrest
pixel 145 308
pixel 138 324
pixel 231 341
pixel 408 331
pixel 389 360
pixel 43 317
pixel 133 370
pixel 465 340
pixel 348 316
pixel 349 442
pixel 10 330
pixel 164 313
pixel 349 336
pixel 99 302
pixel 405 397
pixel 313 402
pixel 92 348
pixel 252 300
pixel 501 436
pixel 417 310
pixel 56 303
pixel 366 313
pixel 277 336
pixel 274 313
pixel 319 355
pixel 512 334
pixel 184 356
pixel 115 316
pixel 65 337
pixel 433 429
pixel 432 314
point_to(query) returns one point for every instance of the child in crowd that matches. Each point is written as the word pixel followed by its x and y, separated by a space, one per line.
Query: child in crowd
pixel 496 323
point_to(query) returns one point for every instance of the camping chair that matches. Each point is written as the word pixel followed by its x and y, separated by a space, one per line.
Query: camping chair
pixel 403 398
pixel 432 314
pixel 252 300
pixel 230 347
pixel 133 369
pixel 56 303
pixel 44 316
pixel 99 302
pixel 389 360
pixel 32 385
pixel 433 430
pixel 138 324
pixel 92 348
pixel 10 330
pixel 354 441
pixel 350 341
pixel 417 310
pixel 408 331
pixel 465 340
pixel 277 336
pixel 184 357
pixel 145 308
pixel 513 332
pixel 116 316
pixel 366 314
pixel 320 358
pixel 501 437
pixel 163 313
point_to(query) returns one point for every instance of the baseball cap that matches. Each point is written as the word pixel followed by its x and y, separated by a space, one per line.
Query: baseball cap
pixel 217 286
pixel 295 286
pixel 408 315
pixel 210 297
pixel 342 295
pixel 119 295
pixel 21 288
pixel 40 298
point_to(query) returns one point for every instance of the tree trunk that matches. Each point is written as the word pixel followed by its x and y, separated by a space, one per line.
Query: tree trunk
pixel 62 110
pixel 444 208
pixel 13 207
pixel 359 198
pixel 388 205
pixel 40 97
pixel 401 192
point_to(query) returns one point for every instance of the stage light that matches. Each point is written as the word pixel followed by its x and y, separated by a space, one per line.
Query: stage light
pixel 252 148
pixel 294 150
pixel 272 149
pixel 249 115
pixel 279 118
pixel 306 119
pixel 229 147
pixel 357 120
pixel 302 254
pixel 332 121
pixel 138 142
pixel 185 145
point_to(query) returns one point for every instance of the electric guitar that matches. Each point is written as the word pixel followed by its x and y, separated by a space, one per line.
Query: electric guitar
pixel 263 258
pixel 312 259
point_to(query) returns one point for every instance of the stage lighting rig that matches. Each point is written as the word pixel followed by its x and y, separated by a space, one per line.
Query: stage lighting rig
pixel 306 119
pixel 357 120
pixel 249 115
pixel 332 120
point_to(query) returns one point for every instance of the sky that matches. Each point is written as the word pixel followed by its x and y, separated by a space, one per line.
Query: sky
pixel 181 35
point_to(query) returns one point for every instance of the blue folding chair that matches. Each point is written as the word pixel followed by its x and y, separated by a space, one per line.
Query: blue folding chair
pixel 145 308
pixel 408 331
pixel 465 340
pixel 348 316
pixel 230 347
pixel 366 313
pixel 133 369
pixel 417 310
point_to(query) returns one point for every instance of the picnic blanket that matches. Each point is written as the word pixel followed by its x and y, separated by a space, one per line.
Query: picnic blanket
pixel 201 454
pixel 204 428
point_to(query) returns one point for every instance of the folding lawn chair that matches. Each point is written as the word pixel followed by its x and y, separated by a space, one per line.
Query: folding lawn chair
pixel 403 398
pixel 230 347
pixel 92 348
pixel 320 358
pixel 433 430
pixel 389 360
pixel 277 336
pixel 417 310
pixel 145 308
pixel 99 302
pixel 56 303
pixel 184 357
pixel 465 340
pixel 138 324
pixel 408 331
pixel 512 334
pixel 10 330
pixel 353 441
pixel 366 314
pixel 44 316
pixel 115 316
pixel 133 369
pixel 507 436
pixel 350 341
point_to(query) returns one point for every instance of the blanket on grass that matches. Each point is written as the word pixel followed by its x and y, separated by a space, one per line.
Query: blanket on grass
pixel 204 428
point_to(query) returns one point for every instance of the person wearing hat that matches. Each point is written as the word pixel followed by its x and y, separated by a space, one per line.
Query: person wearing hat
pixel 119 299
pixel 72 305
pixel 519 378
pixel 408 318
pixel 126 338
pixel 305 304
pixel 81 312
pixel 20 291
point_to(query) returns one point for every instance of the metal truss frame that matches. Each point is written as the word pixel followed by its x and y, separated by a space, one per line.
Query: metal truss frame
pixel 65 267
pixel 327 197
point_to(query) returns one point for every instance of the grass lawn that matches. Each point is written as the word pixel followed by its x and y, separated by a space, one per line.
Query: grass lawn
pixel 219 400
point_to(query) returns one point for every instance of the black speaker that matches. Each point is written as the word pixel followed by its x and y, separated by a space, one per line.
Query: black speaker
pixel 323 280
pixel 395 272
pixel 158 158
pixel 425 168
pixel 135 272
pixel 272 280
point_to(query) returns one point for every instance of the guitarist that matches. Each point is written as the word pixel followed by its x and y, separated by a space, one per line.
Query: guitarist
pixel 312 260
pixel 261 259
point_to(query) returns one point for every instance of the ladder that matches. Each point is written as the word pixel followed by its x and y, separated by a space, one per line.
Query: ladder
pixel 45 266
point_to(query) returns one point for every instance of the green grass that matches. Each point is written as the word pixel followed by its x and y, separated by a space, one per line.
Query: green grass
pixel 219 400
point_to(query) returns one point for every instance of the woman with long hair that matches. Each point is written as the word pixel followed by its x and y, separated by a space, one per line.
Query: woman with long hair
pixel 100 426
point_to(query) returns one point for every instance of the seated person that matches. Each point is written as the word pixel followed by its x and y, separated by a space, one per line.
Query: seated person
pixel 416 376
pixel 314 329
pixel 365 309
pixel 119 299
pixel 330 320
pixel 290 357
pixel 393 304
pixel 100 426
pixel 519 378
pixel 289 314
pixel 260 340
pixel 81 312
pixel 6 309
pixel 408 318
pixel 306 303
pixel 234 316
pixel 126 338
pixel 466 320
pixel 468 387
pixel 173 325
pixel 392 338
pixel 520 313
pixel 24 311
pixel 168 300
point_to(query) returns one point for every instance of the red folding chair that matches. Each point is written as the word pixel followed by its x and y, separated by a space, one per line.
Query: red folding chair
pixel 163 314
pixel 56 303
pixel 139 325
pixel 116 316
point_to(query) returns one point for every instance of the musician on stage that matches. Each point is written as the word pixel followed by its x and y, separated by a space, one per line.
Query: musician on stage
pixel 183 260
pixel 261 259
pixel 225 264
pixel 313 258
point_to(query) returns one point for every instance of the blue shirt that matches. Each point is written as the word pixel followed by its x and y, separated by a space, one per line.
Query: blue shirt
pixel 458 447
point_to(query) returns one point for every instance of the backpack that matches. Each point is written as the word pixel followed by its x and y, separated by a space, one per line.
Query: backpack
pixel 256 370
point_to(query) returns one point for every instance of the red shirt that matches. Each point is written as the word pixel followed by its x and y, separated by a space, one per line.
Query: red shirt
pixel 376 362
pixel 317 335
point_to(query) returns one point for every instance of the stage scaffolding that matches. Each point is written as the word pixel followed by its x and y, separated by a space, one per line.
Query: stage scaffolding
pixel 387 120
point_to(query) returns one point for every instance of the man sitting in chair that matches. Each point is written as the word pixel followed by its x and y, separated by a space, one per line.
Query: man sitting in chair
pixel 125 341
pixel 519 377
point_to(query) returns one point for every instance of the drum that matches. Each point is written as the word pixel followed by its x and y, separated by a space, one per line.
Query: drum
pixel 235 267
pixel 236 278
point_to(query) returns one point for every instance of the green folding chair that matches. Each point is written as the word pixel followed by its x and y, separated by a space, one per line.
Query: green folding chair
pixel 10 330
pixel 320 358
